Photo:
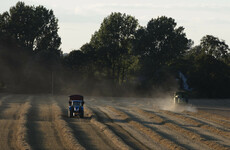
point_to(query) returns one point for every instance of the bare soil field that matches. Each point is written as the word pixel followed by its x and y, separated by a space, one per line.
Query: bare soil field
pixel 40 122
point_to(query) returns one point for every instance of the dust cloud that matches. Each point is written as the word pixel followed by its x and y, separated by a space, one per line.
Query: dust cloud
pixel 166 103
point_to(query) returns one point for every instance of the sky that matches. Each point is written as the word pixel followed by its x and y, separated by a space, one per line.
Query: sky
pixel 79 19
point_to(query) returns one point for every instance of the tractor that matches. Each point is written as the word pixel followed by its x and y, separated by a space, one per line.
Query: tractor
pixel 180 98
pixel 76 108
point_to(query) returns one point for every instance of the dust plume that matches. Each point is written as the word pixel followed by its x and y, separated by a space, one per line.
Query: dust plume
pixel 166 103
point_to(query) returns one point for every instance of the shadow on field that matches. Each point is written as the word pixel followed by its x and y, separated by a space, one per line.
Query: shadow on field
pixel 78 126
pixel 3 107
pixel 34 135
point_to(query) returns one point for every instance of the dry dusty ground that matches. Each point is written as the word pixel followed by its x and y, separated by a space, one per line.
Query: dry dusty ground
pixel 41 122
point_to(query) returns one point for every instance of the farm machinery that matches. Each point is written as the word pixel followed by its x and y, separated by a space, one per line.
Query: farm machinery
pixel 76 108
pixel 180 98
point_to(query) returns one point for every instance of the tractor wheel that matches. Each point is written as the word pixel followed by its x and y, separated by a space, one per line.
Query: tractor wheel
pixel 82 114
pixel 70 113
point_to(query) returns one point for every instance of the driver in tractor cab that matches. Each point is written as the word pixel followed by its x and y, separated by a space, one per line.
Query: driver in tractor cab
pixel 180 98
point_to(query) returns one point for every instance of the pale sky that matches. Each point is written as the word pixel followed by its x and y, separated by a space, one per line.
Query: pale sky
pixel 79 19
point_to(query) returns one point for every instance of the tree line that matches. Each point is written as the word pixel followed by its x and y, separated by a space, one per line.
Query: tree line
pixel 121 58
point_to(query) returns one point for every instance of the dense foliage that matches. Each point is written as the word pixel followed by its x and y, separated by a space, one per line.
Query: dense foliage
pixel 29 47
pixel 121 57
pixel 158 45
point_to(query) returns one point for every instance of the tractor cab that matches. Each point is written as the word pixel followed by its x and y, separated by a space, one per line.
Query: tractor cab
pixel 180 98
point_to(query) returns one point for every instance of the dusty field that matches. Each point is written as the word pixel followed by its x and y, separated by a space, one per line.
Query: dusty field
pixel 41 122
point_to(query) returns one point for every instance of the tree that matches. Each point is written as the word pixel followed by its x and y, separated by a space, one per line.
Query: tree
pixel 3 27
pixel 158 44
pixel 29 43
pixel 206 68
pixel 34 27
pixel 75 60
pixel 113 45
pixel 217 48
pixel 209 77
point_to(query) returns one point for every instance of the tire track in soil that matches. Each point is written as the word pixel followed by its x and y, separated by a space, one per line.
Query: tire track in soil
pixel 87 134
pixel 139 135
pixel 159 127
pixel 4 104
pixel 121 145
pixel 22 135
pixel 209 142
pixel 221 120
pixel 208 122
pixel 157 138
pixel 206 131
pixel 128 138
pixel 41 127
pixel 3 98
pixel 199 124
pixel 11 117
pixel 65 133
pixel 7 126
